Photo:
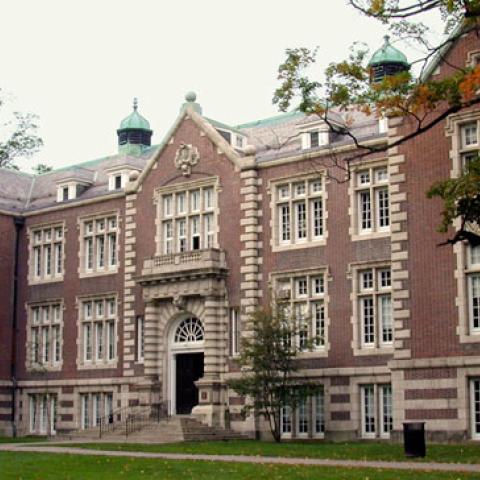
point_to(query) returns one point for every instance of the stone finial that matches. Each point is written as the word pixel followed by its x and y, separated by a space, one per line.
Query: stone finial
pixel 190 97
pixel 135 103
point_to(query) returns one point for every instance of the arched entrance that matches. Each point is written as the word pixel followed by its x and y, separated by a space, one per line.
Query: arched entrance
pixel 186 363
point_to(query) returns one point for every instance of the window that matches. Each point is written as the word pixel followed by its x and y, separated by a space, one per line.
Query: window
pixel 98 318
pixel 307 420
pixel 43 413
pixel 234 331
pixel 45 335
pixel 315 138
pixel 286 421
pixel 372 200
pixel 100 244
pixel 140 338
pixel 299 212
pixel 188 220
pixel 46 254
pixel 118 182
pixel 96 408
pixel 475 407
pixel 305 296
pixel 373 288
pixel 469 141
pixel 473 288
pixel 376 410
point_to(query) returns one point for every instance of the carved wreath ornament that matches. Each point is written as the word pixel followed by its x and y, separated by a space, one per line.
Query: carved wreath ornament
pixel 186 157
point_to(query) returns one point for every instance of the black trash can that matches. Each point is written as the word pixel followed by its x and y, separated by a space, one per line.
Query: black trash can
pixel 414 439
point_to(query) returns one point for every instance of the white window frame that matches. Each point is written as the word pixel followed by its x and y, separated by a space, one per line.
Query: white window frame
pixel 475 407
pixel 192 205
pixel 289 202
pixel 140 338
pixel 376 292
pixel 98 352
pixel 289 289
pixel 44 336
pixel 46 253
pixel 99 240
pixel 376 395
pixel 374 188
pixel 235 331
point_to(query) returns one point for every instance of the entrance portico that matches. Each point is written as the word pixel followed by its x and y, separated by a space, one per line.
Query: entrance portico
pixel 186 319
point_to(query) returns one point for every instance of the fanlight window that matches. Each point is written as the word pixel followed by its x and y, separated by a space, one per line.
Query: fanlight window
pixel 190 330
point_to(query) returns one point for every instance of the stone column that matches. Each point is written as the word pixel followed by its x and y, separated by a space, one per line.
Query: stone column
pixel 211 407
pixel 151 348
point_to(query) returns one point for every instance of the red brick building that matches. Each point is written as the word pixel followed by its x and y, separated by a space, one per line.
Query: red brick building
pixel 128 281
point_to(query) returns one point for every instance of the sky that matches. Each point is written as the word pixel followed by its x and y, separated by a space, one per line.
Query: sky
pixel 78 65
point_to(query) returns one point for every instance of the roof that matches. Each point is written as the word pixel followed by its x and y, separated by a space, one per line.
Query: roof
pixel 273 138
pixel 388 54
pixel 134 121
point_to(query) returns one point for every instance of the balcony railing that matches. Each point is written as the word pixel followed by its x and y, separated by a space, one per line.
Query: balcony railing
pixel 201 260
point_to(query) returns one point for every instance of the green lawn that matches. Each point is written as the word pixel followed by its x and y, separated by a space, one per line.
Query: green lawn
pixel 458 453
pixel 22 439
pixel 39 466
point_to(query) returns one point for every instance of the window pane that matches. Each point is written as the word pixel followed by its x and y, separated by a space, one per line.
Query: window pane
pixel 383 208
pixel 284 215
pixel 368 322
pixel 386 409
pixel 368 409
pixel 301 217
pixel 317 212
pixel 365 211
pixel 386 322
pixel 474 281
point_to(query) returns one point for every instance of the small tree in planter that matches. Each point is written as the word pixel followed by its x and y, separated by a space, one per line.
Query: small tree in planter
pixel 269 366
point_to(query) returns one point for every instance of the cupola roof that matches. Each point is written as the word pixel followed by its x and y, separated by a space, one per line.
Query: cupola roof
pixel 388 54
pixel 134 121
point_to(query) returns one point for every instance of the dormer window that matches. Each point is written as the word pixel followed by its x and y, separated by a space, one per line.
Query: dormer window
pixel 118 176
pixel 315 138
pixel 118 182
pixel 239 141
pixel 69 190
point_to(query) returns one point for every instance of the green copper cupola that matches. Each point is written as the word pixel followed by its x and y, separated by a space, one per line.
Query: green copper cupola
pixel 134 133
pixel 387 61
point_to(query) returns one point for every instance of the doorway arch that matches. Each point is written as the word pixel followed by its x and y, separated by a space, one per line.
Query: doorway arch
pixel 186 361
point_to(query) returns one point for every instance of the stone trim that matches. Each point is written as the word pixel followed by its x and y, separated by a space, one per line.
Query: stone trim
pixel 32 280
pixel 272 185
pixel 81 221
pixel 399 244
pixel 353 230
pixel 96 364
pixel 274 277
pixel 251 248
pixel 52 367
pixel 129 314
pixel 352 274
pixel 453 131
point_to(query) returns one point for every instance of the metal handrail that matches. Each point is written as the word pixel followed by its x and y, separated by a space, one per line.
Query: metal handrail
pixel 113 420
pixel 150 415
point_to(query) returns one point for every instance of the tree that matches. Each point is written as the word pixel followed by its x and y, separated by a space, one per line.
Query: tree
pixel 18 137
pixel 41 168
pixel 424 101
pixel 270 367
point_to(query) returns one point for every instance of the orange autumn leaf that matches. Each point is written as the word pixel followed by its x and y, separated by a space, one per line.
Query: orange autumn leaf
pixel 470 85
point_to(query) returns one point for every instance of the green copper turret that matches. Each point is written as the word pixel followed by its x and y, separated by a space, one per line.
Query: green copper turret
pixel 387 61
pixel 134 133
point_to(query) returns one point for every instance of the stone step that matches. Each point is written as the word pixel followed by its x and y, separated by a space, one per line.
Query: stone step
pixel 169 430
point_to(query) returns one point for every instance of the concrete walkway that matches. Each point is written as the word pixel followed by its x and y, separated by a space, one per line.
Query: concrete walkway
pixel 440 467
